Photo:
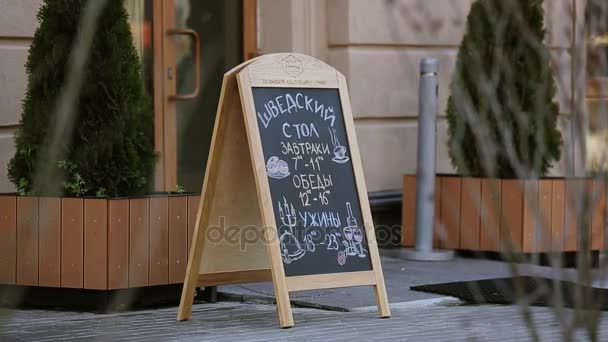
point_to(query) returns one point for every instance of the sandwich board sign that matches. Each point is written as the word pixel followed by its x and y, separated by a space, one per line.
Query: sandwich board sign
pixel 284 199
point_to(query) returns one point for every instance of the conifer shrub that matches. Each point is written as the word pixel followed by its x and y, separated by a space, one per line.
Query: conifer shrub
pixel 502 114
pixel 111 150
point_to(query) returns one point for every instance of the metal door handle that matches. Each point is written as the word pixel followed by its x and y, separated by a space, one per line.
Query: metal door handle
pixel 197 63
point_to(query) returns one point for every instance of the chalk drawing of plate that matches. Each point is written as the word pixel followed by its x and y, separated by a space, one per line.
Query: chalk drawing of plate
pixel 340 160
pixel 278 175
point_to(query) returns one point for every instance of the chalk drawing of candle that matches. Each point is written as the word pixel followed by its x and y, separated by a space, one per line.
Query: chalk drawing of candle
pixel 339 150
pixel 291 249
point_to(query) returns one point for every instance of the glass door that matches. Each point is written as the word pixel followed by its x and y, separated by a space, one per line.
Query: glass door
pixel 185 47
pixel 203 40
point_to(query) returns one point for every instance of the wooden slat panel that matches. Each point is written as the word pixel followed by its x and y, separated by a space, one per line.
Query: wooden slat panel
pixel 470 214
pixel 178 238
pixel 72 241
pixel 545 195
pixel 193 202
pixel 572 198
pixel 529 220
pixel 96 244
pixel 598 218
pixel 438 229
pixel 490 215
pixel 138 242
pixel 408 218
pixel 238 277
pixel 118 244
pixel 328 281
pixel 49 258
pixel 450 211
pixel 512 214
pixel 8 239
pixel 27 241
pixel 159 241
pixel 558 207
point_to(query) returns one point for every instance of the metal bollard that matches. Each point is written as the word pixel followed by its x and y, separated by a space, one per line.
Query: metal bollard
pixel 425 180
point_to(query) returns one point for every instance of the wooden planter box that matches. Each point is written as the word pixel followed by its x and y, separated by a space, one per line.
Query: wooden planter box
pixel 491 215
pixel 101 244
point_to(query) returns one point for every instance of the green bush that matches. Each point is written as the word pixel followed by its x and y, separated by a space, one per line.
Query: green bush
pixel 502 113
pixel 111 151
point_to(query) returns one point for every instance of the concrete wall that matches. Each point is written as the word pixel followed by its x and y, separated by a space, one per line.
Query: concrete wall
pixel 378 45
pixel 17 25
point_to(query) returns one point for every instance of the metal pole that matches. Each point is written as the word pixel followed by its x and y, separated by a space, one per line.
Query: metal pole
pixel 427 132
pixel 425 180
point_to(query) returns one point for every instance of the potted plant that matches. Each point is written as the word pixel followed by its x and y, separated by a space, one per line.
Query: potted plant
pixel 84 161
pixel 502 118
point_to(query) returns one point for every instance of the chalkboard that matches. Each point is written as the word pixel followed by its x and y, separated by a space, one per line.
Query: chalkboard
pixel 312 183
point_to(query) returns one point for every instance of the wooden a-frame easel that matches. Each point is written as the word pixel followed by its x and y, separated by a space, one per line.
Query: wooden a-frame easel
pixel 236 194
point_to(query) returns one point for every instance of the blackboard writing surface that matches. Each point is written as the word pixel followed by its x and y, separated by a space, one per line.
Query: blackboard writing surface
pixel 312 183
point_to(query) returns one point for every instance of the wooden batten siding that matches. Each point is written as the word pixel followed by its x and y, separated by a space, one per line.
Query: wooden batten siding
pixel 598 219
pixel 558 207
pixel 529 220
pixel 159 241
pixel 49 238
pixel 96 244
pixel 118 244
pixel 470 218
pixel 490 215
pixel 450 211
pixel 72 242
pixel 8 240
pixel 545 194
pixel 138 242
pixel 408 218
pixel 178 239
pixel 93 243
pixel 512 214
pixel 530 216
pixel 27 241
pixel 574 189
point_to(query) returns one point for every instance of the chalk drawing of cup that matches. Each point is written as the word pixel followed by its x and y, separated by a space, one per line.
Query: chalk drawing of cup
pixel 339 150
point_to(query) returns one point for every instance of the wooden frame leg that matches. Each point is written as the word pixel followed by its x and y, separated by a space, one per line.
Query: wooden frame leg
pixel 283 307
pixel 384 310
pixel 281 292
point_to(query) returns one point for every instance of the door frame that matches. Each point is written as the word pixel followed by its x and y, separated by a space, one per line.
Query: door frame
pixel 165 121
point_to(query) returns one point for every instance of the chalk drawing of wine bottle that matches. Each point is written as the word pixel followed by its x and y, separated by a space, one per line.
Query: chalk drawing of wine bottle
pixel 291 249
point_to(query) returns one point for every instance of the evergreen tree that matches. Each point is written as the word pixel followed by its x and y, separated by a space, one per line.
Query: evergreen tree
pixel 111 150
pixel 501 112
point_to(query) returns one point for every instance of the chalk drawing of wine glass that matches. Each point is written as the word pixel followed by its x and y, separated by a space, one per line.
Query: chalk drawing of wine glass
pixel 291 249
pixel 339 150
pixel 277 168
pixel 358 236
pixel 348 235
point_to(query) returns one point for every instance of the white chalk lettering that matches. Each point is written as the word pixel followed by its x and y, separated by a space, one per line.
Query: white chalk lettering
pixel 289 103
pixel 304 148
